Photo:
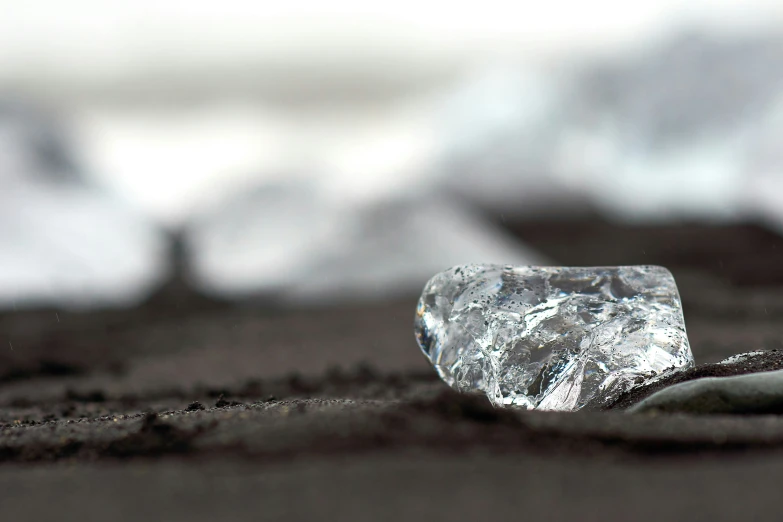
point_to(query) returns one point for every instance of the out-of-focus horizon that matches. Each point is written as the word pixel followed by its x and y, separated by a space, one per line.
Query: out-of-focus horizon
pixel 316 152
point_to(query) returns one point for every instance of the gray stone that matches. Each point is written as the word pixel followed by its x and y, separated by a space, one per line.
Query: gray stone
pixel 752 393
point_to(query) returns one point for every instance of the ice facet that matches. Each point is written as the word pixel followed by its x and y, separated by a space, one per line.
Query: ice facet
pixel 551 338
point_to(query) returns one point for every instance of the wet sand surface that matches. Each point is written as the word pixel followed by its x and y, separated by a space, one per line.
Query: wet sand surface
pixel 186 411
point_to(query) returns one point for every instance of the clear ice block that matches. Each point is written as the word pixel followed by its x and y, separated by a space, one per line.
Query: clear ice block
pixel 551 338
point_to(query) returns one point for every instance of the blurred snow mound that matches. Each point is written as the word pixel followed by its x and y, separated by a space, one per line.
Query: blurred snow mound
pixel 62 242
pixel 292 243
pixel 657 136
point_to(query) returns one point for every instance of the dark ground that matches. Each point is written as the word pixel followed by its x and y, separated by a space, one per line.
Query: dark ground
pixel 333 414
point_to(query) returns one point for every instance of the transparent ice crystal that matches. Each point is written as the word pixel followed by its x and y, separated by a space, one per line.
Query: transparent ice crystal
pixel 551 338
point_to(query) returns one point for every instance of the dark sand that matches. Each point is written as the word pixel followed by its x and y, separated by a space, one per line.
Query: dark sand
pixel 191 410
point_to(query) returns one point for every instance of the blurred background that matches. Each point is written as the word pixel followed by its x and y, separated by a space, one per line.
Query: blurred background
pixel 195 168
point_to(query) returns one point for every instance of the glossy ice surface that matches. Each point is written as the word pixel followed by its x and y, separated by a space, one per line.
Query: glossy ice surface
pixel 551 338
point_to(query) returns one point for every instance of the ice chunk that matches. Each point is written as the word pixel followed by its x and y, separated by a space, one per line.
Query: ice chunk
pixel 551 338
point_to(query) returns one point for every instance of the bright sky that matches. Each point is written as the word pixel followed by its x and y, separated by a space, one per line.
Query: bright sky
pixel 115 34
pixel 171 161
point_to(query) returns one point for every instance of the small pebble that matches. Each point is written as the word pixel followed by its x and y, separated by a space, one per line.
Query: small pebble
pixel 195 406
